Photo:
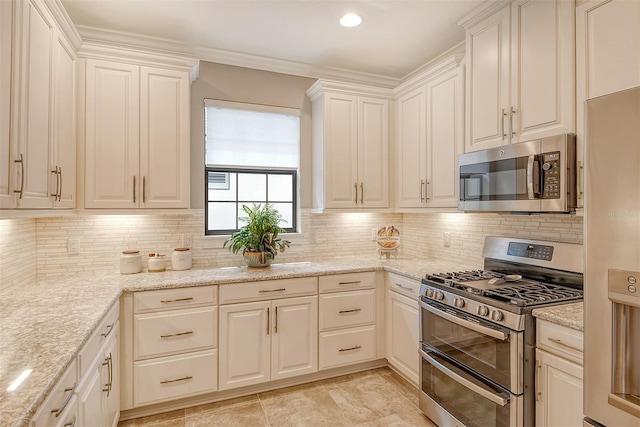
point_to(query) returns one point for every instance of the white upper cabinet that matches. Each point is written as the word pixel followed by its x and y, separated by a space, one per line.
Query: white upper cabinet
pixel 607 57
pixel 37 146
pixel 520 77
pixel 136 134
pixel 430 138
pixel 350 146
pixel 7 196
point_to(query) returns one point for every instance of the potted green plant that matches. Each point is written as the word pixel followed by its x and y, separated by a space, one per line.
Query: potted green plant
pixel 259 237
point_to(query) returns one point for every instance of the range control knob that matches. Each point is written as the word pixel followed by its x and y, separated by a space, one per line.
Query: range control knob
pixel 429 293
pixel 458 302
pixel 483 310
pixel 439 296
pixel 496 315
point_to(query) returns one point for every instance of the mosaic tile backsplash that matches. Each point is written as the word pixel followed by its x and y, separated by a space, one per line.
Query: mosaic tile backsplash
pixel 37 248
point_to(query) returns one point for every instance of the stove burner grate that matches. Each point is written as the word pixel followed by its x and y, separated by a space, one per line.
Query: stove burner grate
pixel 533 293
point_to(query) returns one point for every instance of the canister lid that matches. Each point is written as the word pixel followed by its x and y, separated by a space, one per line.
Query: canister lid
pixel 130 252
pixel 181 249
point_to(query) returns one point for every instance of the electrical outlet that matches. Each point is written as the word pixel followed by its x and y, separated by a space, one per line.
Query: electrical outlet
pixel 447 239
pixel 73 246
pixel 186 241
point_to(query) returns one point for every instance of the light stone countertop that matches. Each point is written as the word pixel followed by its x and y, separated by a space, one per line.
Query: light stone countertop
pixel 44 325
pixel 569 315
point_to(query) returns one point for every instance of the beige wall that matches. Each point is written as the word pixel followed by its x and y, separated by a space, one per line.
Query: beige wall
pixel 228 83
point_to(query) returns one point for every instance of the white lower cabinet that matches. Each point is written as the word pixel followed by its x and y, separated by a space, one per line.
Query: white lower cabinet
pixel 267 340
pixel 402 321
pixel 559 375
pixel 347 317
pixel 61 406
pixel 174 338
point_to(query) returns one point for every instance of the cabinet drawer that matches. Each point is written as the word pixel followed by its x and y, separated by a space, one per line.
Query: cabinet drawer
pixel 347 346
pixel 167 299
pixel 173 377
pixel 347 309
pixel 347 282
pixel 268 289
pixel 403 285
pixel 93 345
pixel 174 331
pixel 560 340
pixel 61 400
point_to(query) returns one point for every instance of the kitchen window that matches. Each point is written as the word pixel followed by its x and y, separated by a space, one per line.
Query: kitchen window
pixel 252 155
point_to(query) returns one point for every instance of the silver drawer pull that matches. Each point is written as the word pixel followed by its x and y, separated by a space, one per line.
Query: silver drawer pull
pixel 177 300
pixel 70 423
pixel 272 290
pixel 353 282
pixel 109 329
pixel 406 288
pixel 176 334
pixel 350 348
pixel 559 342
pixel 353 310
pixel 58 411
pixel 188 377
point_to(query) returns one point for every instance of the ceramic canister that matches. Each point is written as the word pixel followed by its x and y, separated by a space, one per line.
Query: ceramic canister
pixel 181 259
pixel 157 263
pixel 130 262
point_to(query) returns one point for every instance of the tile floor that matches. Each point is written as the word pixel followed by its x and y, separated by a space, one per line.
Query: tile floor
pixel 378 397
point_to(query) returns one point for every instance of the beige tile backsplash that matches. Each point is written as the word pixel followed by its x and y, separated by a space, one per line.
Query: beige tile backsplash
pixel 31 247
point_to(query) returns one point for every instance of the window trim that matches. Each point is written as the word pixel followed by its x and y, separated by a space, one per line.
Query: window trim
pixel 266 171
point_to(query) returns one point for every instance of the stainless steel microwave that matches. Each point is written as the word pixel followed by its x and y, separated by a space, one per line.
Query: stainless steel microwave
pixel 532 176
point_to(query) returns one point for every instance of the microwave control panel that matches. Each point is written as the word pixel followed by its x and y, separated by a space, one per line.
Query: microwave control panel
pixel 551 175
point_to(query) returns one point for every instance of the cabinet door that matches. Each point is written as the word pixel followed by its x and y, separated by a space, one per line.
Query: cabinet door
pixel 373 152
pixel 340 151
pixel 245 344
pixel 542 72
pixel 90 397
pixel 63 147
pixel 412 149
pixel 111 379
pixel 444 139
pixel 403 335
pixel 112 122
pixel 164 138
pixel 7 184
pixel 487 45
pixel 559 391
pixel 294 343
pixel 35 105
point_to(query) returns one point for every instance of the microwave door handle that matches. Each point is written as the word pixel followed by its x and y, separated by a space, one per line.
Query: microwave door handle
pixel 530 177
pixel 465 324
pixel 498 400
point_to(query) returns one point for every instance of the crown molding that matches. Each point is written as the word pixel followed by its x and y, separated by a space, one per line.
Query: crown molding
pixel 481 12
pixel 159 45
pixel 348 88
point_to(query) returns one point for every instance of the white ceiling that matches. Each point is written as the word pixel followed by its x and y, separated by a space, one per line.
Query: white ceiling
pixel 394 39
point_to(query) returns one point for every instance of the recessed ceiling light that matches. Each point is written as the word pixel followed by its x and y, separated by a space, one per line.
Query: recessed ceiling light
pixel 350 20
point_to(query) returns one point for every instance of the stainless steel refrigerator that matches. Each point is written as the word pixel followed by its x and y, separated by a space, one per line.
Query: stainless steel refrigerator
pixel 612 265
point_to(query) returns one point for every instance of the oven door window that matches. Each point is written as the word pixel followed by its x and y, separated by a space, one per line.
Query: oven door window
pixel 495 180
pixel 483 348
pixel 467 398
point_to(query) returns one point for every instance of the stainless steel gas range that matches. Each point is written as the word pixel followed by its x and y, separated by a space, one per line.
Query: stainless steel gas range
pixel 478 335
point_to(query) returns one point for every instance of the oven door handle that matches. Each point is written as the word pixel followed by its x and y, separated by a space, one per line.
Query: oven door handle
pixel 498 400
pixel 466 324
